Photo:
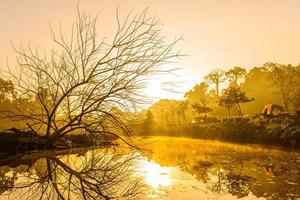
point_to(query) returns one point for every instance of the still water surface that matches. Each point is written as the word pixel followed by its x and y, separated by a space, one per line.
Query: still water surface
pixel 169 168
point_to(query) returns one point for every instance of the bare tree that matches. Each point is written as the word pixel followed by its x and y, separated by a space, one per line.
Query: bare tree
pixel 78 84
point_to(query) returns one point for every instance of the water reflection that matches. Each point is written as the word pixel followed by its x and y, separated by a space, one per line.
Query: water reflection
pixel 173 169
pixel 96 174
pixel 154 174
pixel 226 170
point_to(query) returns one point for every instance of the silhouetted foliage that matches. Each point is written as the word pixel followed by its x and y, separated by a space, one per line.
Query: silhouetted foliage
pixel 148 123
pixel 285 79
pixel 235 74
pixel 201 109
pixel 216 77
pixel 96 174
pixel 233 95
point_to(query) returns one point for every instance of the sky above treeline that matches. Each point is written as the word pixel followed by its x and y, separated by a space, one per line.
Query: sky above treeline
pixel 218 33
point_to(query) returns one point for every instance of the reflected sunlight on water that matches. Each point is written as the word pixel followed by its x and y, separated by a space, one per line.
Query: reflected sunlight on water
pixel 172 183
pixel 154 174
pixel 195 169
pixel 199 169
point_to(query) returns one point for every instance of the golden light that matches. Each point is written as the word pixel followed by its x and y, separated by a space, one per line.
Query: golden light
pixel 155 175
pixel 154 89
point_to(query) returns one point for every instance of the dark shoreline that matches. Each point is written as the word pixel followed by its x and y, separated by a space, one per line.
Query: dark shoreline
pixel 264 132
pixel 15 142
pixel 279 134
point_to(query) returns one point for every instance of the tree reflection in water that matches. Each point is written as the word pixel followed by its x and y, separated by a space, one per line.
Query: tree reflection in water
pixel 228 181
pixel 97 174
pixel 211 170
pixel 6 182
pixel 232 170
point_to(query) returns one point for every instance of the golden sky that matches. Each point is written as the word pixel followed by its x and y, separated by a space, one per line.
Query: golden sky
pixel 218 33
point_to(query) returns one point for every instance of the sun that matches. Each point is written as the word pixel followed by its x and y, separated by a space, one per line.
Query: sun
pixel 154 89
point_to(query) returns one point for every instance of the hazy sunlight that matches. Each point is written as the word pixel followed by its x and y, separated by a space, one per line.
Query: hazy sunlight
pixel 154 89
pixel 150 99
pixel 155 175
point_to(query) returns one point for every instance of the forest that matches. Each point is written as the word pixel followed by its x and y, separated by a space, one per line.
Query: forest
pixel 228 105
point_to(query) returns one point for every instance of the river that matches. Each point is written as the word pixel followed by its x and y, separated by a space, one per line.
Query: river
pixel 166 168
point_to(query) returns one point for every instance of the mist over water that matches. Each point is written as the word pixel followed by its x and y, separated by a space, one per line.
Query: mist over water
pixel 171 168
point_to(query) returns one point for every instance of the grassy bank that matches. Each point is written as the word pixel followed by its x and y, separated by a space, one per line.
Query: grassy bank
pixel 278 131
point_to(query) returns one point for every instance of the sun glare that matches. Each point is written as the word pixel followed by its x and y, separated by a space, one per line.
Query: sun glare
pixel 154 89
pixel 155 175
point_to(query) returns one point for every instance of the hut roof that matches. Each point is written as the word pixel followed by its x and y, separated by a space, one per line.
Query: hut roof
pixel 269 108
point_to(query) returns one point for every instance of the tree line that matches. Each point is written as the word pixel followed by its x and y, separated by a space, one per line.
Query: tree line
pixel 236 92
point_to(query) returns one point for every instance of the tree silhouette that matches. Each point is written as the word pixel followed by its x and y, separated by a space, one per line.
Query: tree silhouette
pixel 97 174
pixel 181 109
pixel 148 123
pixel 77 84
pixel 235 74
pixel 216 77
pixel 198 97
pixel 234 95
pixel 201 109
pixel 227 103
pixel 286 81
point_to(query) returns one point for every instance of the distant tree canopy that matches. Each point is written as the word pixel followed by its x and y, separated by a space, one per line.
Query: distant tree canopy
pixel 169 112
pixel 7 91
pixel 286 81
pixel 235 74
pixel 259 86
pixel 216 77
pixel 148 123
pixel 273 83
pixel 233 95
pixel 201 109
pixel 199 93
pixel 243 93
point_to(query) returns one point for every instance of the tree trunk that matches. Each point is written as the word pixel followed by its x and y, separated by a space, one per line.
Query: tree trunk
pixel 228 113
pixel 285 104
pixel 241 114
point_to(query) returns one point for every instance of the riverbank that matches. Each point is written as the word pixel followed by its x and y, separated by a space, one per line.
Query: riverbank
pixel 283 132
pixel 17 141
